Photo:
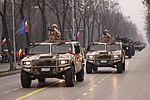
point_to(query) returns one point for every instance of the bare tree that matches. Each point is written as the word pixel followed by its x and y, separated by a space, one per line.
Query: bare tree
pixel 5 30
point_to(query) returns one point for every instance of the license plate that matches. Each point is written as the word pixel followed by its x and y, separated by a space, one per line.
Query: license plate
pixel 103 61
pixel 45 69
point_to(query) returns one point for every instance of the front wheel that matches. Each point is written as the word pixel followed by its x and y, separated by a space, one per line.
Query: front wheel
pixel 69 77
pixel 119 67
pixel 80 75
pixel 95 68
pixel 25 79
pixel 124 66
pixel 88 68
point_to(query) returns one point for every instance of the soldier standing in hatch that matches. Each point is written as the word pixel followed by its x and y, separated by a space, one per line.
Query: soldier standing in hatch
pixel 106 38
pixel 54 33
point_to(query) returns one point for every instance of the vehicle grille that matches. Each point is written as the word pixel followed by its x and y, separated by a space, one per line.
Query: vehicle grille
pixel 103 57
pixel 46 63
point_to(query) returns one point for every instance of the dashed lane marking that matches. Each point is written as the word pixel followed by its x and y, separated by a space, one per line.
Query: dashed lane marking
pixel 6 92
pixel 85 94
pixel 36 91
pixel 15 89
pixel 99 82
pixel 91 89
pixel 103 79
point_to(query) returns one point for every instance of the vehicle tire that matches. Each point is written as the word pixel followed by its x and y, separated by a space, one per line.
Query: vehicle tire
pixel 80 75
pixel 124 66
pixel 130 55
pixel 133 52
pixel 41 80
pixel 88 68
pixel 95 68
pixel 69 77
pixel 119 67
pixel 25 79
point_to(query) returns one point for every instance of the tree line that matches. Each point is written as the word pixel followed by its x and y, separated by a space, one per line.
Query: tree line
pixel 91 17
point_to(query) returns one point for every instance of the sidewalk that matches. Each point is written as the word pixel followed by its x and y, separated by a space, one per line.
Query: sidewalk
pixel 4 69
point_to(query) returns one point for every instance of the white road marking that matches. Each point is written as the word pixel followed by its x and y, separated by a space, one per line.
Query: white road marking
pixel 91 89
pixel 15 89
pixel 6 92
pixel 85 94
pixel 103 79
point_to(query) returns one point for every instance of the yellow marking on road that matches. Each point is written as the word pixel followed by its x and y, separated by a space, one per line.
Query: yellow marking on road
pixel 85 94
pixel 95 85
pixel 91 89
pixel 6 92
pixel 15 89
pixel 36 91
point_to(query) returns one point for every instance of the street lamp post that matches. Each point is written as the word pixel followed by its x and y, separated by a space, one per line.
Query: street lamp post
pixel 73 26
pixel 14 42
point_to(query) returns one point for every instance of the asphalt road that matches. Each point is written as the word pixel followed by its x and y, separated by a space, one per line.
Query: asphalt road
pixel 106 84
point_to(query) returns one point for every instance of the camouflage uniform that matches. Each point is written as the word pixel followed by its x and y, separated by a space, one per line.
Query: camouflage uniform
pixel 106 38
pixel 55 33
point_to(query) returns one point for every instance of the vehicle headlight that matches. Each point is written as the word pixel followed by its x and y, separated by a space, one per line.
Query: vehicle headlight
pixel 116 56
pixel 26 63
pixel 127 47
pixel 90 57
pixel 64 62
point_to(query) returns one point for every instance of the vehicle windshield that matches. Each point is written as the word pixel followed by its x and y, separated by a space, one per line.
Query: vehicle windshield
pixel 39 49
pixel 113 47
pixel 60 48
pixel 95 47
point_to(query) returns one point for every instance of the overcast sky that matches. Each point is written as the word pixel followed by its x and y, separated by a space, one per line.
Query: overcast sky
pixel 135 9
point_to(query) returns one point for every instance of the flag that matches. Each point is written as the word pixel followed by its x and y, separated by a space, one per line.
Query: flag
pixel 20 52
pixel 78 34
pixel 4 41
pixel 70 51
pixel 23 27
pixel 26 26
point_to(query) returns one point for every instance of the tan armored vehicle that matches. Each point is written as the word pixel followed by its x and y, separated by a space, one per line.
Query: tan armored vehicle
pixel 105 55
pixel 63 60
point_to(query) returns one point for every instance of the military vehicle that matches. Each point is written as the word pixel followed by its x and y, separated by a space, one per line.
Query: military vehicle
pixel 59 59
pixel 105 55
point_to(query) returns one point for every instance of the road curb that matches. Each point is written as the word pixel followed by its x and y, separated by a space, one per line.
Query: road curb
pixel 10 73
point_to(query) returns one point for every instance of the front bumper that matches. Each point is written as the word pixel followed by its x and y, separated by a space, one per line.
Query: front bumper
pixel 46 70
pixel 104 63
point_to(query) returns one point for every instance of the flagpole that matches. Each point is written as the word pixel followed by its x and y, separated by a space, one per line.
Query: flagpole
pixel 14 41
pixel 73 26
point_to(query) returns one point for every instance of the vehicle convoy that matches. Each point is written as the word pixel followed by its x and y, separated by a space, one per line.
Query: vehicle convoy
pixel 59 59
pixel 105 55
pixel 128 46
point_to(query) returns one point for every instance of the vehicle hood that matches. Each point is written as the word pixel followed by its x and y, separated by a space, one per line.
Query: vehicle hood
pixel 45 56
pixel 97 52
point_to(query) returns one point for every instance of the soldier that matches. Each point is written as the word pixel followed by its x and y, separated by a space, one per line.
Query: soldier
pixel 54 33
pixel 106 38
